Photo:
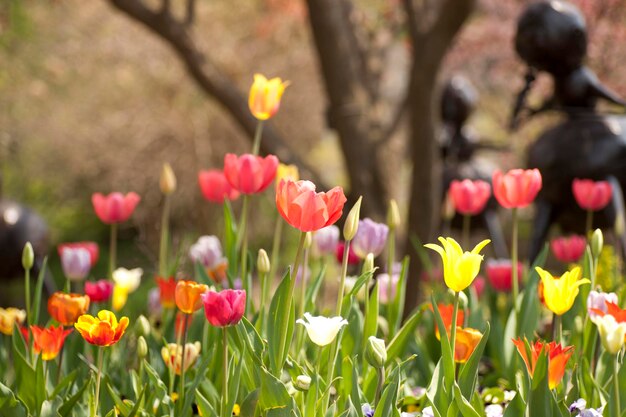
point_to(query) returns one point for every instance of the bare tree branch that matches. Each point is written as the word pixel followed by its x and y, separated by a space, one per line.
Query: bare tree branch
pixel 191 12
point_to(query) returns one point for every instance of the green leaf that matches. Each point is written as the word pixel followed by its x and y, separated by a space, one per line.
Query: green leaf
pixel 469 372
pixel 396 308
pixel 66 382
pixel 447 360
pixel 10 405
pixel 371 318
pixel 249 404
pixel 275 398
pixel 313 289
pixel 38 290
pixel 279 331
pixel 189 397
pixel 49 408
pixel 398 344
pixel 230 237
pixel 464 406
pixel 69 404
pixel 386 407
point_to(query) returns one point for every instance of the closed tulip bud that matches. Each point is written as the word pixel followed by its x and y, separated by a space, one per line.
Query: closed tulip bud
pixel 167 182
pixel 302 383
pixel 142 326
pixel 376 352
pixel 28 256
pixel 352 221
pixel 393 215
pixel 308 240
pixel 142 347
pixel 263 262
pixel 463 301
pixel 368 264
pixel 597 242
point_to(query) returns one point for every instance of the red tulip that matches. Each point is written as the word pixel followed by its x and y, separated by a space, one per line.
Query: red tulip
pixel 224 308
pixel 91 247
pixel 479 285
pixel 516 188
pixel 115 207
pixel 469 197
pixel 99 291
pixel 500 274
pixel 250 174
pixel 182 323
pixel 306 210
pixel 48 340
pixel 568 249
pixel 592 195
pixel 215 187
pixel 167 291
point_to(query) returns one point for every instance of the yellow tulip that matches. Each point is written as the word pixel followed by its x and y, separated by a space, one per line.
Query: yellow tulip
pixel 265 95
pixel 459 268
pixel 287 172
pixel 560 293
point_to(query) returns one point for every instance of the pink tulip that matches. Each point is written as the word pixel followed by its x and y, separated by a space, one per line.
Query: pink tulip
pixel 517 188
pixel 500 274
pixel 479 285
pixel 592 195
pixel 214 186
pixel 224 308
pixel 115 207
pixel 99 291
pixel 91 247
pixel 469 197
pixel 568 249
pixel 250 174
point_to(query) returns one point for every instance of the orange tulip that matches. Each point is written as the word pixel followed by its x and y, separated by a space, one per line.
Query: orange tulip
pixel 306 210
pixel 66 308
pixel 167 291
pixel 466 341
pixel 103 330
pixel 557 358
pixel 48 340
pixel 446 311
pixel 188 295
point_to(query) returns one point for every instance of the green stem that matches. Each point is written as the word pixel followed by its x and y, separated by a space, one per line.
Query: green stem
pixel 391 252
pixel 616 391
pixel 558 329
pixel 182 362
pixel 256 145
pixel 342 282
pixel 589 223
pixel 98 377
pixel 27 296
pixel 453 328
pixel 60 367
pixel 514 264
pixel 164 238
pixel 302 306
pixel 244 238
pixel 45 379
pixel 264 295
pixel 466 230
pixel 278 232
pixel 225 370
pixel 112 249
pixel 379 386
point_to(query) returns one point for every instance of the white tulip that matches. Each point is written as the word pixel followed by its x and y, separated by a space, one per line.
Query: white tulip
pixel 322 330
pixel 611 333
pixel 128 279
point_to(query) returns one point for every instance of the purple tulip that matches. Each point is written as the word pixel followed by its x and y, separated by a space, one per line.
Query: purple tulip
pixel 371 237
pixel 207 251
pixel 325 241
pixel 597 301
pixel 76 263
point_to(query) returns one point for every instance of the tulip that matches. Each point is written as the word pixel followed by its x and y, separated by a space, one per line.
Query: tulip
pixel 479 285
pixel 611 332
pixel 103 330
pixel 187 295
pixel 598 302
pixel 224 308
pixel 287 172
pixel 76 263
pixel 376 352
pixel 48 341
pixel 302 383
pixel 591 195
pixel 250 174
pixel 351 226
pixel 459 268
pixel 560 293
pixel 557 358
pixel 325 240
pixel 207 251
pixel 393 215
pixel 517 188
pixel 167 290
pixel 126 281
pixel 91 247
pixel 265 95
pixel 28 256
pixel 446 311
pixel 371 237
pixel 466 341
pixel 469 197
pixel 322 330
pixel 172 355
pixel 99 291
pixel 9 317
pixel 353 259
pixel 568 249
pixel 306 210
pixel 142 326
pixel 167 181
pixel 182 323
pixel 115 207
pixel 67 308
pixel 215 187
pixel 142 347
pixel 387 287
pixel 500 274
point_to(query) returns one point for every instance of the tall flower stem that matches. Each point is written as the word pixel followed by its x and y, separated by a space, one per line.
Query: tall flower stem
pixel 466 230
pixel 278 232
pixel 164 237
pixel 258 133
pixel 225 370
pixel 182 361
pixel 391 253
pixel 558 329
pixel 514 263
pixel 264 296
pixel 301 308
pixel 616 391
pixel 589 223
pixel 113 249
pixel 455 313
pixel 244 246
pixel 379 386
pixel 342 282
pixel 98 378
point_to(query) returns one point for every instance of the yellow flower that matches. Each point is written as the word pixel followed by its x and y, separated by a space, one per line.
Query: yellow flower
pixel 265 95
pixel 459 268
pixel 560 293
pixel 287 172
pixel 8 318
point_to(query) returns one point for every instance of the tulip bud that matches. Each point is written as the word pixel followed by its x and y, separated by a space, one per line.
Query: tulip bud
pixel 597 242
pixel 263 262
pixel 28 256
pixel 393 215
pixel 302 383
pixel 352 221
pixel 142 347
pixel 376 352
pixel 368 263
pixel 142 326
pixel 463 301
pixel 167 181
pixel 308 240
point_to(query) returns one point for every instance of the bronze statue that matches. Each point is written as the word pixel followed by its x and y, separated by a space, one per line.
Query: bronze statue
pixel 552 37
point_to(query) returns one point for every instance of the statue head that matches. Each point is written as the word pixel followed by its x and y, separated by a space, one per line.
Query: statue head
pixel 458 101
